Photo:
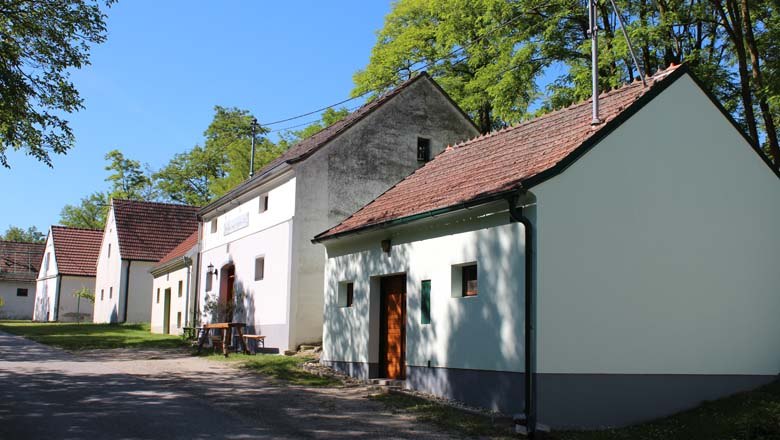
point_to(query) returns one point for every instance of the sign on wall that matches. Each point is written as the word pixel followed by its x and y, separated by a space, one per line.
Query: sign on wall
pixel 238 222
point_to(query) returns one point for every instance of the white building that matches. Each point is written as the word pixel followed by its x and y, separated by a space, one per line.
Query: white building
pixel 68 266
pixel 629 266
pixel 255 244
pixel 19 263
pixel 137 235
pixel 173 288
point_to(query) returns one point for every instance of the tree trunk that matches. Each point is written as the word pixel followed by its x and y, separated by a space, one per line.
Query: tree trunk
pixel 769 123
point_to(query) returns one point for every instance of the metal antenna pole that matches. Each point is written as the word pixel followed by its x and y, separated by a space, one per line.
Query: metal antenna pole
pixel 252 157
pixel 594 58
pixel 628 41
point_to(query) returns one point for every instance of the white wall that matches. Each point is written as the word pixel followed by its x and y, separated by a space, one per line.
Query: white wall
pixel 139 308
pixel 109 275
pixel 658 250
pixel 46 285
pixel 17 307
pixel 178 303
pixel 70 305
pixel 483 332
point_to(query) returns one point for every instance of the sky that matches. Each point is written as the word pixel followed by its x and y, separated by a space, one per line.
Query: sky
pixel 152 86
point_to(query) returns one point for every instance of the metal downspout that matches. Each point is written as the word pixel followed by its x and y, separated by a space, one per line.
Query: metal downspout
pixel 530 410
pixel 197 275
pixel 59 293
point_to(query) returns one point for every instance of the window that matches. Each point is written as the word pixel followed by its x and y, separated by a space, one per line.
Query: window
pixel 346 294
pixel 425 302
pixel 469 285
pixel 110 292
pixel 46 262
pixel 178 320
pixel 259 268
pixel 214 226
pixel 464 280
pixel 209 282
pixel 423 149
pixel 21 292
pixel 109 250
pixel 263 203
pixel 181 288
pixel 158 295
pixel 102 293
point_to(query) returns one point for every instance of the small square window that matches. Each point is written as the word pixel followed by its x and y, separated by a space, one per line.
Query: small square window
pixel 158 295
pixel 259 268
pixel 21 292
pixel 178 320
pixel 181 288
pixel 425 302
pixel 110 292
pixel 263 203
pixel 214 226
pixel 346 294
pixel 423 149
pixel 464 280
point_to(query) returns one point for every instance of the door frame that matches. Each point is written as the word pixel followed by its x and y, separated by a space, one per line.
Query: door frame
pixel 167 312
pixel 383 326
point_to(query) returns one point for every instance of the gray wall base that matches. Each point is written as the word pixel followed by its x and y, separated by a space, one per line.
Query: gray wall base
pixel 360 370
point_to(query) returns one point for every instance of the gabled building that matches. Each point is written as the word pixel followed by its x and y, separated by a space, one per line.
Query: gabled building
pixel 173 288
pixel 137 235
pixel 69 263
pixel 589 275
pixel 256 254
pixel 19 264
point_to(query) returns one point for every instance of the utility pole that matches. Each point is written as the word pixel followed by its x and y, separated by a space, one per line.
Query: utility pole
pixel 252 157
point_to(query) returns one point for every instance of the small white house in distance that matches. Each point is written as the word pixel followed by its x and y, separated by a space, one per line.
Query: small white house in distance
pixel 69 263
pixel 19 264
pixel 256 249
pixel 588 275
pixel 173 288
pixel 137 235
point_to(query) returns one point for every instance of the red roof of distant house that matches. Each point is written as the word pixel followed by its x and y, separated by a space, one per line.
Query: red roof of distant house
pixel 76 250
pixel 498 162
pixel 181 249
pixel 310 145
pixel 20 261
pixel 148 231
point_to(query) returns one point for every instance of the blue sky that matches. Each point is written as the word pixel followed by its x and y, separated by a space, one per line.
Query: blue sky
pixel 152 86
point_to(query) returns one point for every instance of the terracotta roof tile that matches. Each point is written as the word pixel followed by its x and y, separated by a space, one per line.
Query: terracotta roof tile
pixel 20 261
pixel 76 250
pixel 148 231
pixel 495 163
pixel 181 249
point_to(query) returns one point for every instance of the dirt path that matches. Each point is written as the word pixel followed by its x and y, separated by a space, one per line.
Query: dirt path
pixel 147 394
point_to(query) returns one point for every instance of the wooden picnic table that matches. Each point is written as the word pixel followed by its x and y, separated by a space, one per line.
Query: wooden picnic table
pixel 227 330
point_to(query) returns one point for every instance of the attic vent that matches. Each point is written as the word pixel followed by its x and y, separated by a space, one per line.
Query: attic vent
pixel 423 149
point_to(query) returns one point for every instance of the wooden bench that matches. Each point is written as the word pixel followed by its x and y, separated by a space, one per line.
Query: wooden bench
pixel 259 340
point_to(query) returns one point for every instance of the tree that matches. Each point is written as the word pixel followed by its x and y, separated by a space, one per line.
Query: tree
pixel 129 180
pixel 29 235
pixel 42 42
pixel 230 133
pixel 90 213
pixel 86 294
pixel 189 176
pixel 329 117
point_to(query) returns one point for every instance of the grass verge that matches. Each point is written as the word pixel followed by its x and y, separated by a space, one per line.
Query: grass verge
pixel 752 415
pixel 447 417
pixel 72 336
pixel 284 368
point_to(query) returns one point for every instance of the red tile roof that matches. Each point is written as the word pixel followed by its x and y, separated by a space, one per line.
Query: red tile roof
pixel 498 162
pixel 76 250
pixel 20 261
pixel 310 145
pixel 148 231
pixel 181 249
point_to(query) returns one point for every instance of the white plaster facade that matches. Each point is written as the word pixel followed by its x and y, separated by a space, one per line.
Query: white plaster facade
pixel 14 306
pixel 176 285
pixel 655 264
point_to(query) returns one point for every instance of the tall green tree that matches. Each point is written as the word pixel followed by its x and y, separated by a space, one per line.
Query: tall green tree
pixel 230 132
pixel 189 176
pixel 42 43
pixel 128 178
pixel 329 117
pixel 29 235
pixel 90 213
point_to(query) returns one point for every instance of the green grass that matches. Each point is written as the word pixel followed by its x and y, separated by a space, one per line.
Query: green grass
pixel 753 415
pixel 72 336
pixel 447 417
pixel 285 368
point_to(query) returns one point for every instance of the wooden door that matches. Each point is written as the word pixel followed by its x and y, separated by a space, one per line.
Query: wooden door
pixel 167 312
pixel 392 356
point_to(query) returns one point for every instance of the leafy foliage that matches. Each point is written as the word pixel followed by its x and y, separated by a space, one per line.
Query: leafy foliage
pixel 90 213
pixel 29 235
pixel 329 117
pixel 42 42
pixel 128 179
pixel 189 176
pixel 85 293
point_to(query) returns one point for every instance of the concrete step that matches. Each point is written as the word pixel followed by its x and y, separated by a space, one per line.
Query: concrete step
pixel 390 383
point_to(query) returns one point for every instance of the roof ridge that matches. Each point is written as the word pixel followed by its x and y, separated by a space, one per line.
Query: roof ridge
pixel 74 228
pixel 181 205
